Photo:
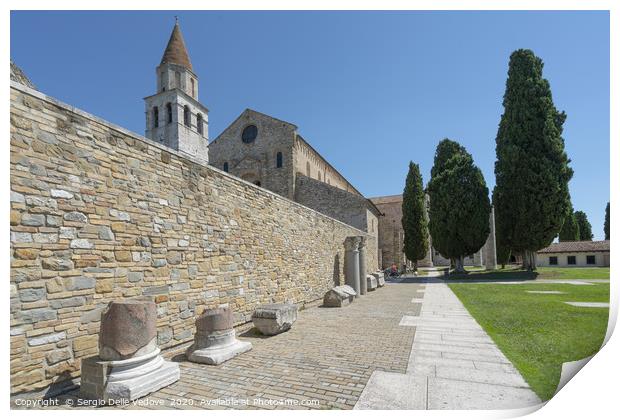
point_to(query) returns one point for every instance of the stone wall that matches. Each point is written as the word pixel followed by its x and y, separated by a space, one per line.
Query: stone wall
pixel 99 213
pixel 391 234
pixel 347 207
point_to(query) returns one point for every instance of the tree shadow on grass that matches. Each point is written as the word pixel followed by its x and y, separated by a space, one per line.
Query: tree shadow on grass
pixel 476 276
pixel 491 276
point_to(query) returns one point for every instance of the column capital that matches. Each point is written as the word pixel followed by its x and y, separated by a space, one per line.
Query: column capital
pixel 352 243
pixel 363 242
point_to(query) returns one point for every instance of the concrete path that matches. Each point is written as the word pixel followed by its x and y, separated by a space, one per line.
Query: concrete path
pixel 453 364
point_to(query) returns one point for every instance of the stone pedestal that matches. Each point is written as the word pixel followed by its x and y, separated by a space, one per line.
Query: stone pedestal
pixel 275 318
pixel 362 264
pixel 129 365
pixel 380 276
pixel 352 273
pixel 215 341
pixel 339 296
pixel 371 283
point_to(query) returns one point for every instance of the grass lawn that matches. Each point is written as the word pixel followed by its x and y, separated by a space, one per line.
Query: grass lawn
pixel 586 273
pixel 555 273
pixel 539 332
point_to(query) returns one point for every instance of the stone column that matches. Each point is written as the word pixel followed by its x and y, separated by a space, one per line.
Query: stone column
pixel 352 273
pixel 129 365
pixel 490 258
pixel 215 341
pixel 362 264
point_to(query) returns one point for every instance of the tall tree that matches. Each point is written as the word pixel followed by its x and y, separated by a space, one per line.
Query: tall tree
pixel 606 226
pixel 585 228
pixel 570 228
pixel 532 170
pixel 414 221
pixel 459 204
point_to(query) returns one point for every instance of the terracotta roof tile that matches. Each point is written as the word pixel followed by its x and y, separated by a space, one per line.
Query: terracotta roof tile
pixel 576 246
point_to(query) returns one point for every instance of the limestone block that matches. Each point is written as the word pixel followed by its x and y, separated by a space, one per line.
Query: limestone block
pixel 215 341
pixel 339 296
pixel 275 318
pixel 371 282
pixel 127 379
pixel 380 276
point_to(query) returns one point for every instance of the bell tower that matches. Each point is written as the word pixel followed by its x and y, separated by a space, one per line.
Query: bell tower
pixel 174 116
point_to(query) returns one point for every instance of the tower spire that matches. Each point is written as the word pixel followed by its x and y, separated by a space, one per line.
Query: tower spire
pixel 175 52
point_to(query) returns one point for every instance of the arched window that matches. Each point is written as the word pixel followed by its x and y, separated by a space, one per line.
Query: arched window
pixel 169 112
pixel 187 116
pixel 155 117
pixel 308 169
pixel 279 160
pixel 225 166
pixel 199 122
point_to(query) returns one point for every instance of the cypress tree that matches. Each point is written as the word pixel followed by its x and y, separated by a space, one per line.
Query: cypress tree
pixel 585 228
pixel 532 170
pixel 570 228
pixel 414 217
pixel 606 226
pixel 459 204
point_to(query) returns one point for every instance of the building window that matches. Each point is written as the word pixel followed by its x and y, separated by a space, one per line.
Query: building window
pixel 257 183
pixel 249 134
pixel 163 83
pixel 199 122
pixel 279 160
pixel 155 117
pixel 591 259
pixel 308 169
pixel 225 166
pixel 553 260
pixel 169 112
pixel 571 260
pixel 193 87
pixel 177 80
pixel 319 176
pixel 187 116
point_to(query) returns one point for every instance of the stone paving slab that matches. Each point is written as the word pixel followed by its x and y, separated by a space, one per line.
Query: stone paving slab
pixel 467 395
pixel 462 366
pixel 546 292
pixel 394 391
pixel 589 304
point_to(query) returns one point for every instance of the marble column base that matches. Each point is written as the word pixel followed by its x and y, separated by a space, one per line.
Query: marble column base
pixel 216 348
pixel 126 379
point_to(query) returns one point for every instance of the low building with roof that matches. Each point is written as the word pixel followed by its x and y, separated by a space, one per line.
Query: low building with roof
pixel 574 254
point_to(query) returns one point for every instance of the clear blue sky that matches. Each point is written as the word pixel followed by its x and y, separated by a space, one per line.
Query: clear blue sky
pixel 369 90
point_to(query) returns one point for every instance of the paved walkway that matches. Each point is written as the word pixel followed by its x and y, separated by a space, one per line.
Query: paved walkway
pixel 407 345
pixel 453 364
pixel 323 362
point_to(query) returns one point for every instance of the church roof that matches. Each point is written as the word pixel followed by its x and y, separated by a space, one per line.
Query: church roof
pixel 176 53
